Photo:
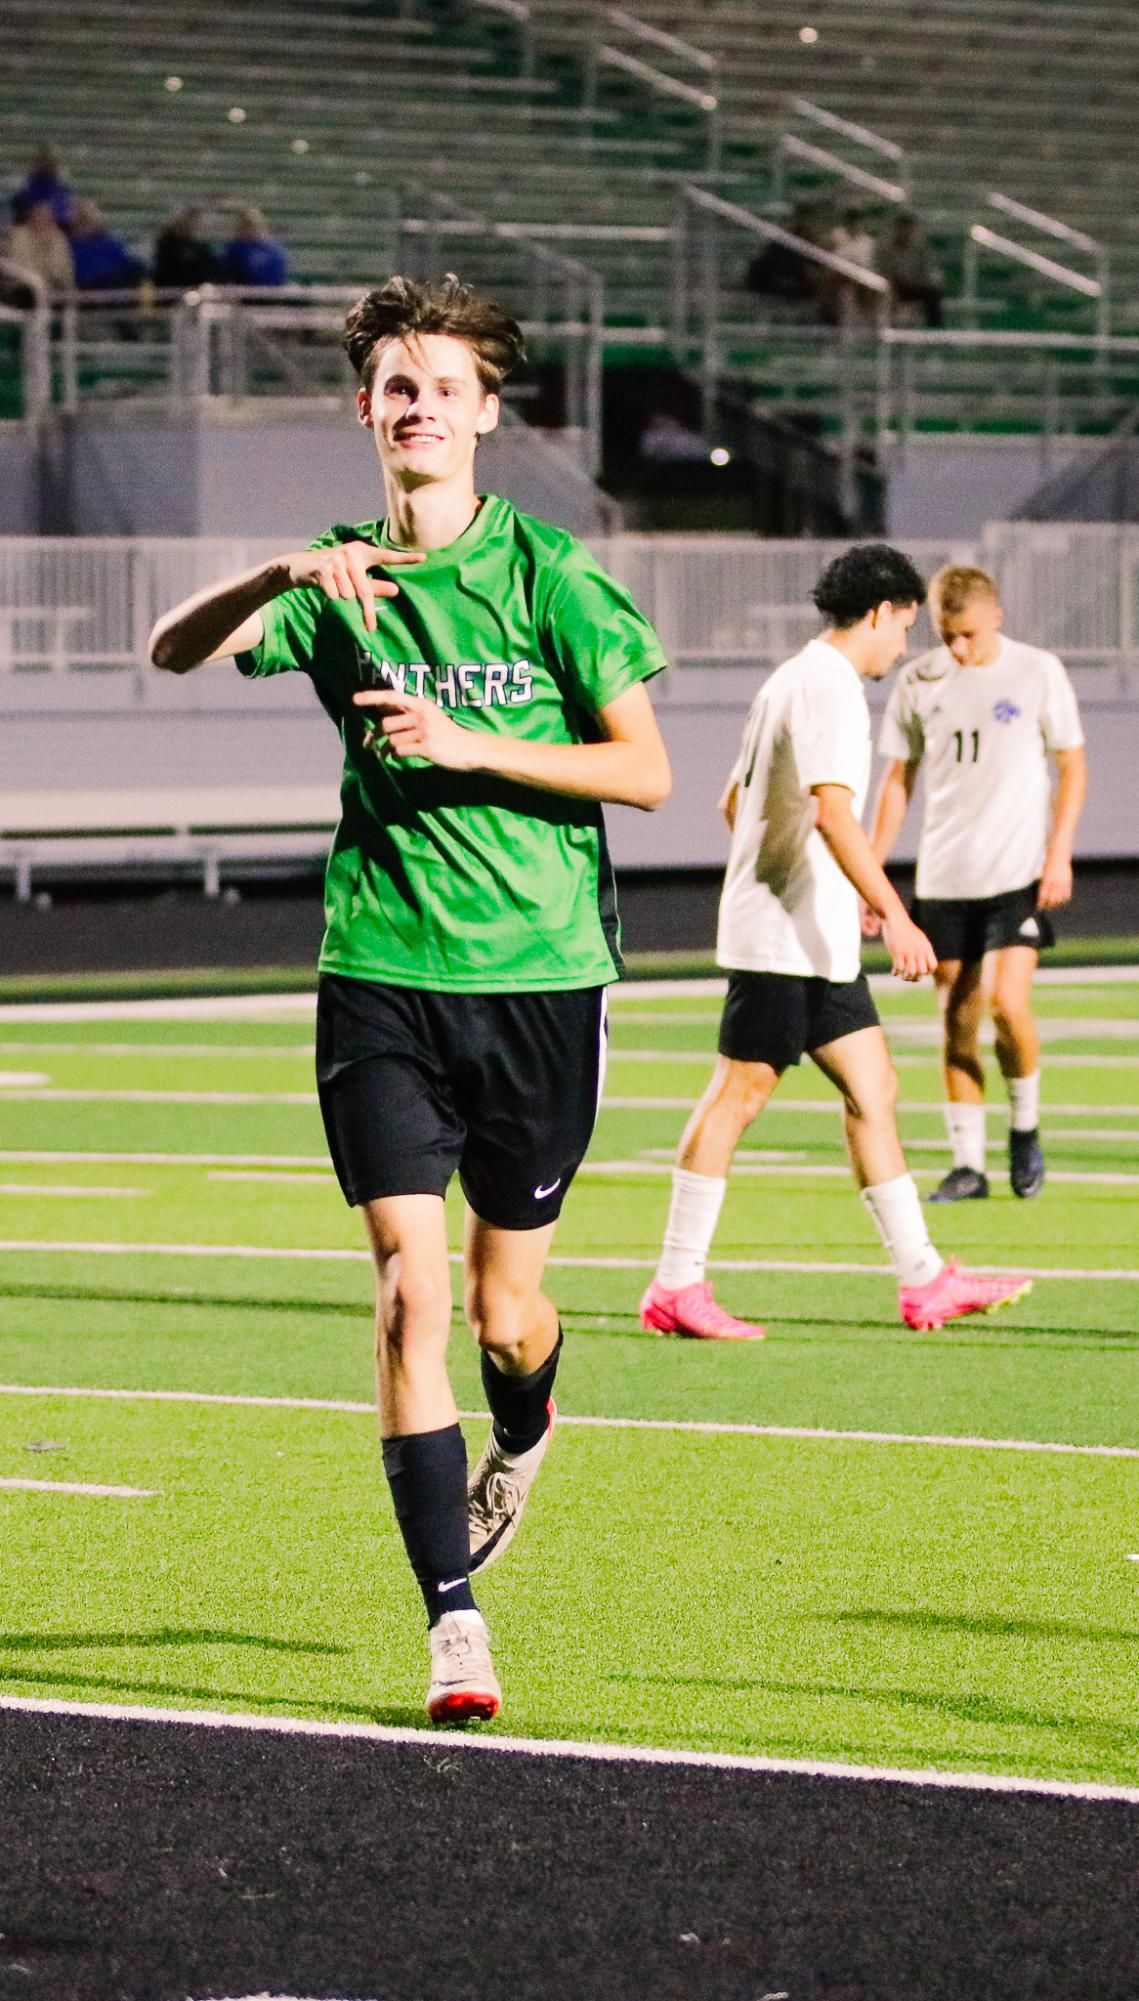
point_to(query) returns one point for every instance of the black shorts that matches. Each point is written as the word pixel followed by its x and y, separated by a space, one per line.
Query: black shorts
pixel 502 1087
pixel 775 1017
pixel 968 927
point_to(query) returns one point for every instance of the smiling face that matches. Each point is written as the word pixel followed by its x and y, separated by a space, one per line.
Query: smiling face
pixel 426 409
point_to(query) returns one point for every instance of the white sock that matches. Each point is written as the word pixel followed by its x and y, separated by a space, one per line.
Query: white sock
pixel 965 1125
pixel 692 1217
pixel 1024 1102
pixel 898 1219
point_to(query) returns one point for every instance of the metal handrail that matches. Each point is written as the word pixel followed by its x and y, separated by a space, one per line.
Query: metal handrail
pixel 859 274
pixel 657 79
pixel 643 31
pixel 1050 225
pixel 820 156
pixel 980 237
pixel 860 134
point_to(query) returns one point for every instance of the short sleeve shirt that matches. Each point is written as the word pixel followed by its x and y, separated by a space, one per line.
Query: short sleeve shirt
pixel 786 906
pixel 984 735
pixel 464 881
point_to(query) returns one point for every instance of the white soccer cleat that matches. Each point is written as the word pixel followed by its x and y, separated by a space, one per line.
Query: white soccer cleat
pixel 464 1687
pixel 497 1493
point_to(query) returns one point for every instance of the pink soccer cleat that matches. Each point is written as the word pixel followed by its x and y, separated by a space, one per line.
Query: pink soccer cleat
pixel 690 1310
pixel 954 1293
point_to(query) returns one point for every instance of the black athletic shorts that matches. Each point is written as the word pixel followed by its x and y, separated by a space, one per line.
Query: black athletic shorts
pixel 968 927
pixel 776 1017
pixel 502 1087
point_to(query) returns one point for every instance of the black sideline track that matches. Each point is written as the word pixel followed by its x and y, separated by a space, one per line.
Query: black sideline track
pixel 172 1862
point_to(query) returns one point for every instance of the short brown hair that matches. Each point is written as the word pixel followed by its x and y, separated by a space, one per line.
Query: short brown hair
pixel 403 307
pixel 956 585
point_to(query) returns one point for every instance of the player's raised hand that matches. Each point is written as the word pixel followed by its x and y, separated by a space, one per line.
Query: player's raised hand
pixel 413 726
pixel 911 954
pixel 1055 883
pixel 345 571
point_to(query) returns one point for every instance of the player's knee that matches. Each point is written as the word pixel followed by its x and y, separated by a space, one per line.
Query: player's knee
pixel 413 1307
pixel 1011 1013
pixel 868 1101
pixel 496 1313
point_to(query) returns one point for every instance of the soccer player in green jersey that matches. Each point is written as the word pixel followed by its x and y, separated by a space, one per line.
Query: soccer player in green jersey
pixel 488 703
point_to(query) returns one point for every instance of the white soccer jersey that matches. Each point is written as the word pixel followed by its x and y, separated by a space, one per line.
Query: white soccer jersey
pixel 786 905
pixel 985 735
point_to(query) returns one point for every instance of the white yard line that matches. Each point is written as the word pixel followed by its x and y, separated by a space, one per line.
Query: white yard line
pixel 12 1079
pixel 41 1045
pixel 59 1188
pixel 552 1747
pixel 822 1171
pixel 219 1007
pixel 291 1253
pixel 82 1487
pixel 44 1156
pixel 697 1427
pixel 297 1178
pixel 62 1097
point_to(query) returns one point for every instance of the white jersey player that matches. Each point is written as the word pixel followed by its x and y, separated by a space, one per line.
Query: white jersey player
pixel 985 715
pixel 789 939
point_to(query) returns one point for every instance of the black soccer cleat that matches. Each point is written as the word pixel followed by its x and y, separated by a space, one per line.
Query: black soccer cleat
pixel 1025 1163
pixel 961 1184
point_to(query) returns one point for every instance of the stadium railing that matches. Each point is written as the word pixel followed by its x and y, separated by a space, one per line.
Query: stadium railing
pixel 153 772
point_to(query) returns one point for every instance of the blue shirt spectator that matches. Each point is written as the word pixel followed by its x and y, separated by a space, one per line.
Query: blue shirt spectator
pixel 102 261
pixel 45 183
pixel 252 257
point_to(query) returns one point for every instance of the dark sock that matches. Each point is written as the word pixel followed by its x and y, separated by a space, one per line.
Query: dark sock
pixel 427 1473
pixel 518 1403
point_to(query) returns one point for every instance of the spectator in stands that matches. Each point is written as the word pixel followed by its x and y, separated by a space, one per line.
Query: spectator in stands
pixel 182 257
pixel 102 261
pixel 905 259
pixel 252 256
pixel 779 271
pixel 852 238
pixel 39 247
pixel 45 183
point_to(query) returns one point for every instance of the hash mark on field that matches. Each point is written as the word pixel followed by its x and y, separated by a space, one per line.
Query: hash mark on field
pixel 696 1427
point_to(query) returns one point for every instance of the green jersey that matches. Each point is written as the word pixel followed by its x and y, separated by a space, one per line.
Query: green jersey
pixel 461 881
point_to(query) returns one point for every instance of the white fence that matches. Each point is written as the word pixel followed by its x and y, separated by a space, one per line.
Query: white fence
pixel 720 603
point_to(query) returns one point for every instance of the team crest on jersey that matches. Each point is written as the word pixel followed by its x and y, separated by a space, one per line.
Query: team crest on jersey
pixel 1006 712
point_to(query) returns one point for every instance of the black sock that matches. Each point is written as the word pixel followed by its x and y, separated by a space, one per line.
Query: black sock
pixel 427 1473
pixel 518 1403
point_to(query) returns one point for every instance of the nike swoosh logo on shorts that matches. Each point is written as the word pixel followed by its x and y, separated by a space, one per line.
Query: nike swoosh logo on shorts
pixel 541 1193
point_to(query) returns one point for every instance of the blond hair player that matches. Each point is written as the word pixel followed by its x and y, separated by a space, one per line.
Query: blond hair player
pixel 987 716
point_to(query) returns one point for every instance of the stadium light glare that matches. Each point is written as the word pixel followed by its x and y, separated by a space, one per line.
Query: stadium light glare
pixel 173 83
pixel 299 146
pixel 720 456
pixel 236 115
pixel 808 35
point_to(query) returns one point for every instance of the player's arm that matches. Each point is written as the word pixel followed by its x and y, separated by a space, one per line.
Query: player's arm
pixel 629 767
pixel 893 803
pixel 226 618
pixel 1056 878
pixel 890 809
pixel 911 953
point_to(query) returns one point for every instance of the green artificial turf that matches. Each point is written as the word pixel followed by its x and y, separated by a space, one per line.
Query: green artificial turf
pixel 880 1602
